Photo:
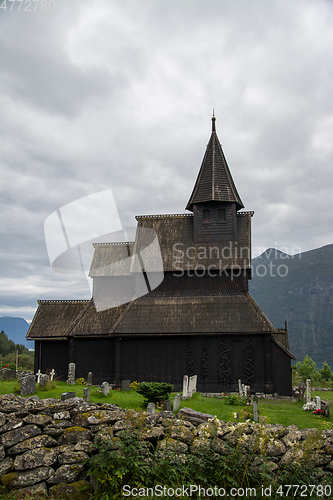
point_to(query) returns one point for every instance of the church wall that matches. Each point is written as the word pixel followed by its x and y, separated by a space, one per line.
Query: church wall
pixel 53 354
pixel 218 361
pixel 281 370
pixel 97 356
pixel 159 359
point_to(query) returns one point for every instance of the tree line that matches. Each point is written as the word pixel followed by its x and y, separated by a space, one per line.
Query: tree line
pixel 307 369
pixel 8 350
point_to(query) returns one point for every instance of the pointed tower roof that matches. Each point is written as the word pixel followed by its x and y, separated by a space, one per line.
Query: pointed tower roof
pixel 214 182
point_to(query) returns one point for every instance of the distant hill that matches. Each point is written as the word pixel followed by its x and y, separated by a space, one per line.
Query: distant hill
pixel 16 330
pixel 303 297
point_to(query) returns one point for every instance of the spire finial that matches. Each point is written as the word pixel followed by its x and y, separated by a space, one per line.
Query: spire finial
pixel 213 122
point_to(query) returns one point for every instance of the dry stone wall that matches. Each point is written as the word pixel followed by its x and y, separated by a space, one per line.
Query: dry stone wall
pixel 45 444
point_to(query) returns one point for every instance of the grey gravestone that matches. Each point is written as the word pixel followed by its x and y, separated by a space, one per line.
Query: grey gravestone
pixel 192 386
pixel 67 395
pixel 176 402
pixel 151 408
pixel 86 394
pixel 43 380
pixel 125 385
pixel 325 407
pixel 308 391
pixel 90 378
pixel 8 374
pixel 71 374
pixel 28 385
pixel 317 402
pixel 185 387
pixel 240 387
pixel 167 405
pixel 105 388
pixel 255 409
pixel 248 395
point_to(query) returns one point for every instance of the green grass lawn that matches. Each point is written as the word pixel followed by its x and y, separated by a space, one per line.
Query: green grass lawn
pixel 278 412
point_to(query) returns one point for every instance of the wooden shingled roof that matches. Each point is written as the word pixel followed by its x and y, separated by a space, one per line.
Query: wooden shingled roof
pixel 54 317
pixel 237 313
pixel 63 318
pixel 214 182
pixel 111 259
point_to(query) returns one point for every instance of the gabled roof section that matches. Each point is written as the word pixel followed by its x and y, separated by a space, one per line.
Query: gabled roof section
pixel 214 182
pixel 111 259
pixel 54 317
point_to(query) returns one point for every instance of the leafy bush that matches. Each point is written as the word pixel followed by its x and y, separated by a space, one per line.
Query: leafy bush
pixel 235 399
pixel 325 372
pixel 80 381
pixel 154 392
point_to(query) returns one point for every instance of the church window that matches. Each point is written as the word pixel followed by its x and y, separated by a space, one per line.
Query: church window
pixel 221 215
pixel 206 215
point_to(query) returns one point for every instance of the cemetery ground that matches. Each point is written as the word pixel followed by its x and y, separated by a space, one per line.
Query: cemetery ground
pixel 279 411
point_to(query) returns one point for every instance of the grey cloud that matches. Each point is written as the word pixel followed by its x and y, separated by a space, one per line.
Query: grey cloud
pixel 119 95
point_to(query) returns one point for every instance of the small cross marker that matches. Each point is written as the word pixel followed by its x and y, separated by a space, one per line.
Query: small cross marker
pixel 39 373
pixel 52 374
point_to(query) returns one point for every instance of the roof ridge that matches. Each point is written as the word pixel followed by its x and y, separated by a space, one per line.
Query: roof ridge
pixel 78 317
pixel 113 243
pixel 122 315
pixel 162 216
pixel 260 311
pixel 56 301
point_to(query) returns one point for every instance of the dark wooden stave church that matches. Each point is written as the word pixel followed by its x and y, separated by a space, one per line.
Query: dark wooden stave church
pixel 200 319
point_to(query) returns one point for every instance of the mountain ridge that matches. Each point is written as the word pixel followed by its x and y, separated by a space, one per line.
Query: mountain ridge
pixel 298 288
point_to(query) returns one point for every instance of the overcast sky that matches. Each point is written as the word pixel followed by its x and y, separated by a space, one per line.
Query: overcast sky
pixel 119 95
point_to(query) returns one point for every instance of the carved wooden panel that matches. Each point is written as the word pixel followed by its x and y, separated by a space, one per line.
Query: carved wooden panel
pixel 224 361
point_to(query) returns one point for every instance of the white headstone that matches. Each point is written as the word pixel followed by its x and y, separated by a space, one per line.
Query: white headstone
pixel 52 374
pixel 185 387
pixel 240 387
pixel 317 402
pixel 105 388
pixel 39 373
pixel 192 386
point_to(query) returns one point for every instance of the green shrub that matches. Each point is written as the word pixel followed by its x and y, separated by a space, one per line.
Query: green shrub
pixel 325 372
pixel 50 386
pixel 235 399
pixel 154 392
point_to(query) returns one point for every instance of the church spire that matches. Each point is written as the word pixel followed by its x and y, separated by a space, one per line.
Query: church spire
pixel 214 182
